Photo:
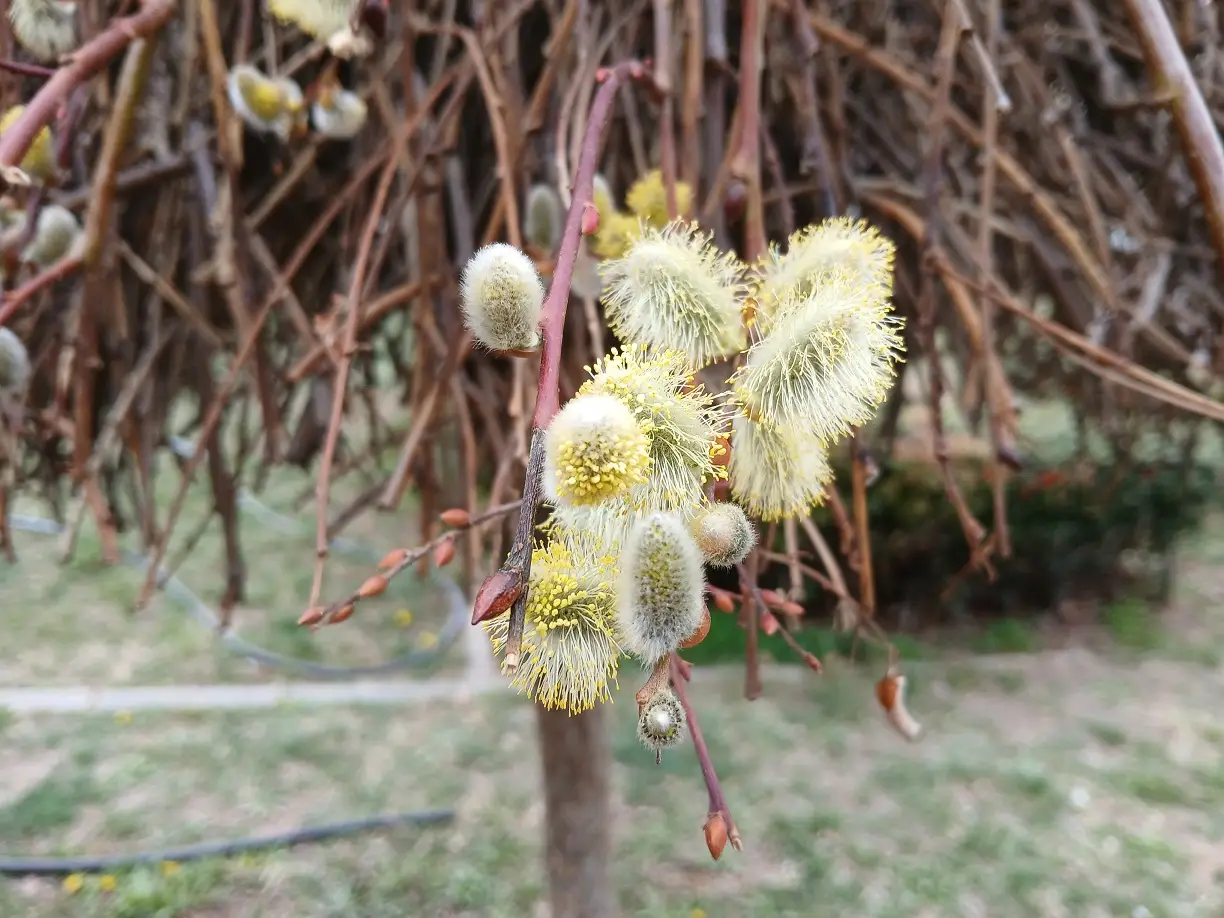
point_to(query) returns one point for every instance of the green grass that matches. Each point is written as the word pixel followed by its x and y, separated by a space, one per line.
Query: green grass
pixel 837 812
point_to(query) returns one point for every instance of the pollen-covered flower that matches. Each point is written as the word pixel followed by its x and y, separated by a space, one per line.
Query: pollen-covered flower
pixel 647 198
pixel 544 217
pixel 825 364
pixel 660 594
pixel 45 28
pixel 839 248
pixel 14 362
pixel 601 528
pixel 570 652
pixel 682 420
pixel 502 298
pixel 724 534
pixel 272 106
pixel 56 234
pixel 661 722
pixel 338 113
pixel 777 472
pixel 617 232
pixel 673 288
pixel 38 164
pixel 594 449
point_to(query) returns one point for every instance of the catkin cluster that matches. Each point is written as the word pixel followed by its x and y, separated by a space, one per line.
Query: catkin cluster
pixel 631 458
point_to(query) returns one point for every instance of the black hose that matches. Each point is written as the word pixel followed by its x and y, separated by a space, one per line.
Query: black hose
pixel 54 866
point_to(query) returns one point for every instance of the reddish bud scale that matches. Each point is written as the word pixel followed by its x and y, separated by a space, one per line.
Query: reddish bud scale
pixel 590 219
pixel 456 518
pixel 716 835
pixel 342 614
pixel 773 599
pixel 723 600
pixel 700 634
pixel 444 553
pixel 497 594
pixel 374 586
pixel 792 608
pixel 769 624
pixel 886 693
pixel 813 662
pixel 311 616
pixel 393 558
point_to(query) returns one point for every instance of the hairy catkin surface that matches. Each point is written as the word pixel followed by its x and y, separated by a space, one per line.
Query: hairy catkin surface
pixel 661 593
pixel 45 28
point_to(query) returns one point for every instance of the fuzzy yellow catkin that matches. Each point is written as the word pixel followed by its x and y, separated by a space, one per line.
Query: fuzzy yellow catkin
pixel 682 420
pixel 826 364
pixel 594 449
pixel 502 298
pixel 724 534
pixel 661 722
pixel 776 472
pixel 39 161
pixel 265 104
pixel 45 28
pixel 661 590
pixel 317 18
pixel 340 115
pixel 647 198
pixel 673 288
pixel 14 362
pixel 570 654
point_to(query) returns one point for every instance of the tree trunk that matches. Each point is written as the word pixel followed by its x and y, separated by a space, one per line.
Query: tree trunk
pixel 577 759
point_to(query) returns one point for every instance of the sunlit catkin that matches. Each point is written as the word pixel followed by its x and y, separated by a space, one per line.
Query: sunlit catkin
pixel 267 105
pixel 502 298
pixel 682 420
pixel 826 363
pixel 14 363
pixel 724 534
pixel 339 114
pixel 594 449
pixel 661 722
pixel 56 235
pixel 570 655
pixel 38 164
pixel 45 28
pixel 544 218
pixel 838 248
pixel 647 198
pixel 776 472
pixel 660 592
pixel 674 289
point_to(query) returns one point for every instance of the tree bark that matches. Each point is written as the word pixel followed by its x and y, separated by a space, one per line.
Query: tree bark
pixel 577 760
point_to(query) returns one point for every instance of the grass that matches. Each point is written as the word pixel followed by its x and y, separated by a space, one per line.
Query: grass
pixel 78 627
pixel 1016 803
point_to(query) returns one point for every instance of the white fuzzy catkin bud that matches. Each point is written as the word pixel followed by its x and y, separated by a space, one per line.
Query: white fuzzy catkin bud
pixel 661 594
pixel 544 219
pixel 594 450
pixel 317 18
pixel 502 298
pixel 267 105
pixel 661 722
pixel 340 114
pixel 45 28
pixel 56 235
pixel 724 534
pixel 14 363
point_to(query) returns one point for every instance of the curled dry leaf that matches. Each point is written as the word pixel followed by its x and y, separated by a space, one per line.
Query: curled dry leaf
pixel 444 553
pixel 716 834
pixel 497 594
pixel 376 585
pixel 700 634
pixel 890 693
pixel 456 518
pixel 392 559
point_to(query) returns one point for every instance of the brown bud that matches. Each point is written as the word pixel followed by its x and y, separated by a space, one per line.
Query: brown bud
pixel 716 834
pixel 702 630
pixel 343 614
pixel 590 219
pixel 456 518
pixel 374 586
pixel 444 553
pixel 723 600
pixel 311 616
pixel 791 608
pixel 497 594
pixel 769 624
pixel 393 558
